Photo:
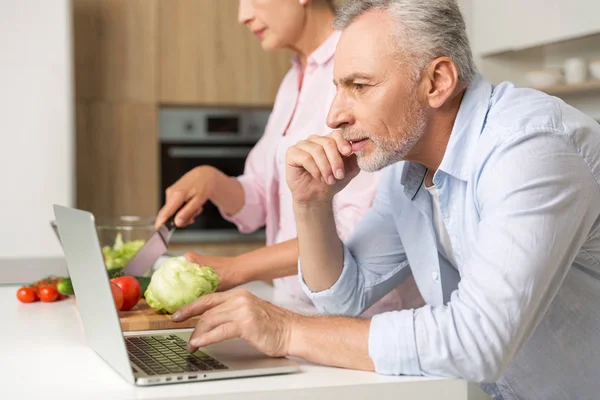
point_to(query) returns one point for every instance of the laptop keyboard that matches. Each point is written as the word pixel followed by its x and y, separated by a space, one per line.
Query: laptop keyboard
pixel 162 355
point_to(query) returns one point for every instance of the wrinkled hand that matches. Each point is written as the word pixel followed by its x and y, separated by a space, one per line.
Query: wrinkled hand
pixel 230 274
pixel 239 314
pixel 320 167
pixel 193 189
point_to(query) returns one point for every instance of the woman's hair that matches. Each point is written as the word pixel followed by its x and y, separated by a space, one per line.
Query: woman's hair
pixel 331 3
pixel 425 30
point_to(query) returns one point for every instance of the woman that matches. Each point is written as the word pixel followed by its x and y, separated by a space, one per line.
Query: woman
pixel 261 196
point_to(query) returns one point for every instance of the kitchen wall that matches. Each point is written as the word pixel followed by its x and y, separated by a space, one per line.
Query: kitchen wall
pixel 36 124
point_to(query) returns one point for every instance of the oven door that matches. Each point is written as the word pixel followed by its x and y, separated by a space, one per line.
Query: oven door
pixel 179 158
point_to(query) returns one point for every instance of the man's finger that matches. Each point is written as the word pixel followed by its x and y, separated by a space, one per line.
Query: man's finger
pixel 222 314
pixel 317 152
pixel 342 144
pixel 298 158
pixel 174 201
pixel 333 154
pixel 201 305
pixel 229 330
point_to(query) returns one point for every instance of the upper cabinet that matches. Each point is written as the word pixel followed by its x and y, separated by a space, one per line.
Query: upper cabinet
pixel 115 50
pixel 505 25
pixel 206 57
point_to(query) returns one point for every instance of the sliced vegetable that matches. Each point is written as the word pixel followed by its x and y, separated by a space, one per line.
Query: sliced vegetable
pixel 118 255
pixel 132 291
pixel 117 295
pixel 27 294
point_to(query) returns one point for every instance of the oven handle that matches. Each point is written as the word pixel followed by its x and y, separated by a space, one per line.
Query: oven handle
pixel 212 152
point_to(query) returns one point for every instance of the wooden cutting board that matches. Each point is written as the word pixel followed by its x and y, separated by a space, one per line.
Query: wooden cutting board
pixel 143 318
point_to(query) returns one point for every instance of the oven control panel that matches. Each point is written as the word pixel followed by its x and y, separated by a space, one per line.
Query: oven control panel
pixel 206 124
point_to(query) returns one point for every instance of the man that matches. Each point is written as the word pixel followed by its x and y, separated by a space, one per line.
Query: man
pixel 491 197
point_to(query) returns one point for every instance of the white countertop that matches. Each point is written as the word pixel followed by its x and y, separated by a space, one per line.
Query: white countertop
pixel 43 352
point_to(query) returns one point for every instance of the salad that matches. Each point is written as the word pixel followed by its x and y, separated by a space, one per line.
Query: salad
pixel 118 255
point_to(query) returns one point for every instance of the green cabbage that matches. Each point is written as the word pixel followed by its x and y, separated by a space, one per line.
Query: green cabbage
pixel 118 255
pixel 179 282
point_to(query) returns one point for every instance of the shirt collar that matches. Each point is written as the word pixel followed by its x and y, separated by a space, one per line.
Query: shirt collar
pixel 468 125
pixel 324 52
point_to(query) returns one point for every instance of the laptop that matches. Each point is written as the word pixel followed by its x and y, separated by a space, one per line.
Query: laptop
pixel 145 359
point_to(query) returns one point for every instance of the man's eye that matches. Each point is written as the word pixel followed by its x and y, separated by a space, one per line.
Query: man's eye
pixel 359 86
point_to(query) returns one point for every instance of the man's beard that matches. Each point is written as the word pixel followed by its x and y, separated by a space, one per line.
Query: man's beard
pixel 391 150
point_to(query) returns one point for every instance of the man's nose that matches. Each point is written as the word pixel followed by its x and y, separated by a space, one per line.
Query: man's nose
pixel 340 114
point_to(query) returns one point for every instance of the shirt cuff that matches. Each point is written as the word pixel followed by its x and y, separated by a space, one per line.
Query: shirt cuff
pixel 329 300
pixel 392 343
pixel 243 219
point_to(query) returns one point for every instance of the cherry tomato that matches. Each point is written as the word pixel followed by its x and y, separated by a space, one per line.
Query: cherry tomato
pixel 27 295
pixel 117 295
pixel 132 291
pixel 48 294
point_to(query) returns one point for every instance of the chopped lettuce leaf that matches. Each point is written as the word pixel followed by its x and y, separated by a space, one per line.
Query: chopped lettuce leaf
pixel 118 255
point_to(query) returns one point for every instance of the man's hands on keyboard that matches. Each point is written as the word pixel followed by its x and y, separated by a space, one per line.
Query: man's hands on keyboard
pixel 239 314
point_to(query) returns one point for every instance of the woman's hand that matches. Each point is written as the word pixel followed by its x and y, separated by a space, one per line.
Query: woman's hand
pixel 192 189
pixel 231 274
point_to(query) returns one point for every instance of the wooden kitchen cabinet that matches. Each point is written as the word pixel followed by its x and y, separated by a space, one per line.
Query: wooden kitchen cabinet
pixel 115 63
pixel 115 49
pixel 117 158
pixel 207 58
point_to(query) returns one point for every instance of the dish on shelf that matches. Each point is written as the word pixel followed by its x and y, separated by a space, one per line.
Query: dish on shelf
pixel 543 78
pixel 594 67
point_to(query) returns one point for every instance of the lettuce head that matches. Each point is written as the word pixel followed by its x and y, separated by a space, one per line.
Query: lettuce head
pixel 179 282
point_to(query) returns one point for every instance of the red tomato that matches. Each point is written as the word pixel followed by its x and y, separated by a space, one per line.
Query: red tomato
pixel 27 295
pixel 132 291
pixel 117 295
pixel 48 293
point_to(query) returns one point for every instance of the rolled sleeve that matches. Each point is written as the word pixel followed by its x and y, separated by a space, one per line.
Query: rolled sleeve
pixel 327 301
pixel 253 213
pixel 392 343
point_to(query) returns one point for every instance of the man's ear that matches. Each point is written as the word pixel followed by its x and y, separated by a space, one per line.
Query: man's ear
pixel 440 81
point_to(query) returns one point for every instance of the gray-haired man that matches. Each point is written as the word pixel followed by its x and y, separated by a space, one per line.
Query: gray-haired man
pixel 491 198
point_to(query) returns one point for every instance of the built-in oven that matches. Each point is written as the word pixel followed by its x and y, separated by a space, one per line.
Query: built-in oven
pixel 220 137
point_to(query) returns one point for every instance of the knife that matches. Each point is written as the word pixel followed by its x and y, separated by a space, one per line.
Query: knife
pixel 155 247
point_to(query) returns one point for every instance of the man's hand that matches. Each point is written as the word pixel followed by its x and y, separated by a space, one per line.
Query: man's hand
pixel 193 189
pixel 320 167
pixel 230 273
pixel 239 314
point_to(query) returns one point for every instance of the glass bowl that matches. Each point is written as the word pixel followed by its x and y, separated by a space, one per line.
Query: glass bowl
pixel 128 227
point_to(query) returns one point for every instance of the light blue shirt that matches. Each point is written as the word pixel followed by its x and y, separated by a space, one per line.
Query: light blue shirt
pixel 519 194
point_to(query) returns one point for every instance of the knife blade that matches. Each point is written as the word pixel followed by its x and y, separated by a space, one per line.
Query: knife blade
pixel 155 247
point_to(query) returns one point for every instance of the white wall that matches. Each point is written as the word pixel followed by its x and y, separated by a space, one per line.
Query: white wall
pixel 36 124
pixel 512 66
